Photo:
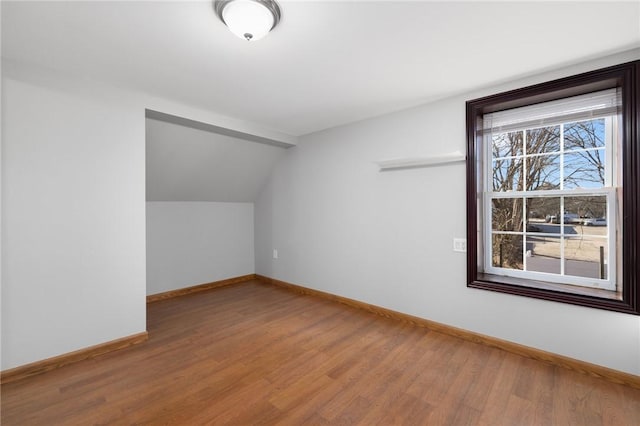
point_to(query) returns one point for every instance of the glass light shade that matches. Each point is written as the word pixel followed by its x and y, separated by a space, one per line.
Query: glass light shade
pixel 248 19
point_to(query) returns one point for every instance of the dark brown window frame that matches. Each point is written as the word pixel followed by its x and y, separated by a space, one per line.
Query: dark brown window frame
pixel 626 77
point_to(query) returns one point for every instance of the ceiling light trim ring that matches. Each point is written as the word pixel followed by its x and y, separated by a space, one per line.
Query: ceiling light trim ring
pixel 271 5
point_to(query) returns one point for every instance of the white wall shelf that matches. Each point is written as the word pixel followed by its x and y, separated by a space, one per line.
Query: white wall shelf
pixel 415 162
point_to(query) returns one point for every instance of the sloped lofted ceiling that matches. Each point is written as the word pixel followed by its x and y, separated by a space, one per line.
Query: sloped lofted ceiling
pixel 187 164
pixel 327 63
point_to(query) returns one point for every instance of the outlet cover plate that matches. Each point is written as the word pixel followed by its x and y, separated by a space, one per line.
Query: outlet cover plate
pixel 460 245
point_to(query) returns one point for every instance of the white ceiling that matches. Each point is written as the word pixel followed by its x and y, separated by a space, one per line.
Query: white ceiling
pixel 186 164
pixel 327 63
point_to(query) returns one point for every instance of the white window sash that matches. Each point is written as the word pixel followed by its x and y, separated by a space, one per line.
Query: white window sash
pixel 604 104
pixel 609 283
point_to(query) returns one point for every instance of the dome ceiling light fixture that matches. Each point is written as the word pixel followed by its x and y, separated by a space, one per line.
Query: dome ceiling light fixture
pixel 248 19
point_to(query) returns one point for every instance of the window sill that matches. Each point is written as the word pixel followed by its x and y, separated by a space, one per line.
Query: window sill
pixel 576 295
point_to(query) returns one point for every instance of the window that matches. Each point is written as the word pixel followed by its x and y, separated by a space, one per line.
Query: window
pixel 552 190
pixel 549 192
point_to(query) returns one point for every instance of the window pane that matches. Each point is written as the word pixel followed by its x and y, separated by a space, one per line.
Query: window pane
pixel 543 254
pixel 584 169
pixel 507 175
pixel 585 210
pixel 584 134
pixel 507 251
pixel 596 226
pixel 506 214
pixel 543 172
pixel 585 257
pixel 542 214
pixel 544 139
pixel 507 144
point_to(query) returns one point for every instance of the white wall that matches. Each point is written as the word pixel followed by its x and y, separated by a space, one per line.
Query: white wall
pixel 191 243
pixel 73 209
pixel 73 233
pixel 1 208
pixel 342 227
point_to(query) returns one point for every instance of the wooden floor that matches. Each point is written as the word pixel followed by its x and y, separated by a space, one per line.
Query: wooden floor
pixel 255 354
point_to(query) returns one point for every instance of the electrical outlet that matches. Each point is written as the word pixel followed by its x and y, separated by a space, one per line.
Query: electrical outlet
pixel 275 253
pixel 460 244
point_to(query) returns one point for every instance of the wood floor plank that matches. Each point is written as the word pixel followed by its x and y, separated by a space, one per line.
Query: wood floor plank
pixel 251 354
